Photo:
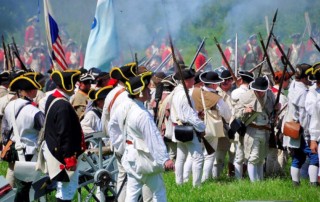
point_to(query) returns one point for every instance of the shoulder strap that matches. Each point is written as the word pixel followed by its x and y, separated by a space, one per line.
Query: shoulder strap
pixel 97 112
pixel 15 117
pixel 114 98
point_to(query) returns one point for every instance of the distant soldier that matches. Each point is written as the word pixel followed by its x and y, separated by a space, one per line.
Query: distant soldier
pixel 31 33
pixel 201 58
pixel 37 59
pixel 297 49
pixel 252 53
pixel 74 56
pixel 230 52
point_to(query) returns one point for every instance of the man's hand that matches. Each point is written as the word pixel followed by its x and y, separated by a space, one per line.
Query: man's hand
pixel 169 165
pixel 313 146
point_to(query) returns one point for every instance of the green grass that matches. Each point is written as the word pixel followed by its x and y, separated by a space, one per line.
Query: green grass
pixel 226 189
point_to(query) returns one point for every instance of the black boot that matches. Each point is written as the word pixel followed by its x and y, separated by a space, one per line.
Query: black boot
pixel 295 184
pixel 314 184
pixel 60 200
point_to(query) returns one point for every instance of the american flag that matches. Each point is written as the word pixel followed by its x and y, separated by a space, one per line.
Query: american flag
pixel 53 39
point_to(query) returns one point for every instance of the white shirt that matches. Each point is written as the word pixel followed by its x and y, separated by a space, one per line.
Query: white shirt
pixel 181 110
pixel 91 123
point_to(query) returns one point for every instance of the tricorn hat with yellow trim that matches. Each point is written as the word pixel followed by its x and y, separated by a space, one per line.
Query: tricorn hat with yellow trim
pixel 66 79
pixel 27 81
pixel 100 93
pixel 125 72
pixel 137 84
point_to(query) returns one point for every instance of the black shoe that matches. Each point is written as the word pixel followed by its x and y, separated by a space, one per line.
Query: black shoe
pixel 314 184
pixel 295 184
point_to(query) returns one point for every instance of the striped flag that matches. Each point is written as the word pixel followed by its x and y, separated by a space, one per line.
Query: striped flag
pixel 102 46
pixel 53 39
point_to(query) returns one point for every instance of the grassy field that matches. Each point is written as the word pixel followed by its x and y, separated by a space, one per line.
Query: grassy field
pixel 226 189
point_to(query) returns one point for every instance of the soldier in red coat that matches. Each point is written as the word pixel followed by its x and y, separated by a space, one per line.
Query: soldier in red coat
pixel 297 49
pixel 31 33
pixel 229 52
pixel 252 53
pixel 74 56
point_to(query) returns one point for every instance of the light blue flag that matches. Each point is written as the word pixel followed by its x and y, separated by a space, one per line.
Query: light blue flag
pixel 102 46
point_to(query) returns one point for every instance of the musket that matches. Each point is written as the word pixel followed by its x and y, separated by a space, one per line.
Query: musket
pixel 274 142
pixel 198 51
pixel 283 54
pixel 11 60
pixel 268 41
pixel 204 64
pixel 146 63
pixel 209 148
pixel 266 56
pixel 315 44
pixel 225 60
pixel 236 56
pixel 5 53
pixel 157 99
pixel 272 26
pixel 258 65
pixel 164 62
pixel 17 54
pixel 136 61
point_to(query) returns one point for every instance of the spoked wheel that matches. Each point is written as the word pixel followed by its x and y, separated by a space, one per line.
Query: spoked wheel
pixel 98 172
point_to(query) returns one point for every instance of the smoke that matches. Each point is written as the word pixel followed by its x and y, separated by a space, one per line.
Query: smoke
pixel 140 21
pixel 248 16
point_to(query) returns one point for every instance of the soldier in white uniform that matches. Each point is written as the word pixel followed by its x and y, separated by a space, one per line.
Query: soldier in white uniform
pixel 239 164
pixel 143 143
pixel 183 112
pixel 315 115
pixel 23 121
pixel 278 156
pixel 256 106
pixel 297 112
pixel 213 163
pixel 224 90
pixel 118 96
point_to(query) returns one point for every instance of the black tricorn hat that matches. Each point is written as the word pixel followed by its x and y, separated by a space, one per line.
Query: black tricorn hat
pixel 66 79
pixel 137 84
pixel 260 84
pixel 197 77
pixel 5 77
pixel 246 76
pixel 314 72
pixel 186 74
pixel 125 72
pixel 225 74
pixel 26 81
pixel 210 77
pixel 100 93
